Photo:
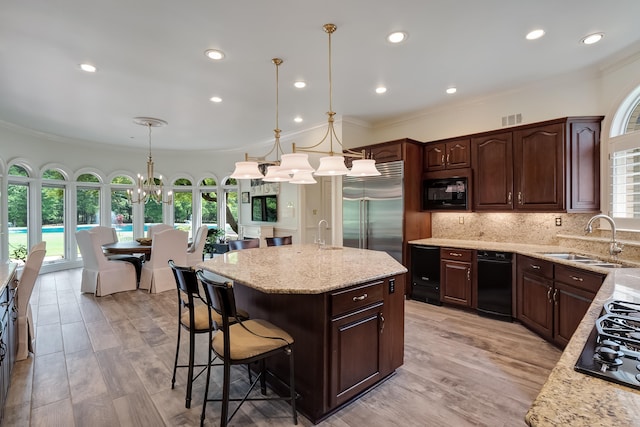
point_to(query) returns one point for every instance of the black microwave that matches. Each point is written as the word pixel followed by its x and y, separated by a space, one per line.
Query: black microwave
pixel 445 194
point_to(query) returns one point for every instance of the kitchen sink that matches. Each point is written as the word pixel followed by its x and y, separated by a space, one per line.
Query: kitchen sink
pixel 584 260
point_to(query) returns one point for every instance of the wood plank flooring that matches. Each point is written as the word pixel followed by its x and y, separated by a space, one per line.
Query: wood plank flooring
pixel 108 362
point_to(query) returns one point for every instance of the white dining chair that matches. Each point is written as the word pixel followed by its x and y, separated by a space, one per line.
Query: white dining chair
pixel 158 228
pixel 195 250
pixel 157 276
pixel 26 335
pixel 100 275
pixel 108 235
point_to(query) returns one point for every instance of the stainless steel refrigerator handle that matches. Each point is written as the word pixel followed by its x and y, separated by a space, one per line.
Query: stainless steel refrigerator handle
pixel 365 224
pixel 361 225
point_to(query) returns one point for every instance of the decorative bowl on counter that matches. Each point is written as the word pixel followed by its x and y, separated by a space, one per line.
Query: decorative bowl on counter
pixel 144 240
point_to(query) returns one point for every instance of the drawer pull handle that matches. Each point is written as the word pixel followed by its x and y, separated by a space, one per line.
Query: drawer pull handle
pixel 360 298
pixel 577 279
pixel 381 322
pixel 535 267
pixel 454 254
pixel 549 294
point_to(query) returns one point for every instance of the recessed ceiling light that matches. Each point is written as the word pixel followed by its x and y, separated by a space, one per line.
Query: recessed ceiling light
pixel 88 68
pixel 592 38
pixel 381 89
pixel 298 119
pixel 215 99
pixel 214 54
pixel 535 34
pixel 300 84
pixel 397 37
pixel 452 90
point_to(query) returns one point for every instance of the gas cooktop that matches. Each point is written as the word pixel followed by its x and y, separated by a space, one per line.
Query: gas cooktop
pixel 612 351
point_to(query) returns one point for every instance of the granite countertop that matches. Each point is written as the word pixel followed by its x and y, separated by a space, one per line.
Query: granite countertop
pixel 303 269
pixel 6 272
pixel 570 398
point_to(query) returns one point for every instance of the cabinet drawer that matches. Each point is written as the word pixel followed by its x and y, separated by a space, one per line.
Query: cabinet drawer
pixel 456 254
pixel 535 266
pixel 355 298
pixel 580 279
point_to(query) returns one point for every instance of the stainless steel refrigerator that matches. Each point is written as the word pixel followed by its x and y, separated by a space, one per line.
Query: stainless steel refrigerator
pixel 372 210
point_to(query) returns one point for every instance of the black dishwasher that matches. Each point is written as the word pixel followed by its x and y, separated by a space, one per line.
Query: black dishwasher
pixel 494 284
pixel 425 274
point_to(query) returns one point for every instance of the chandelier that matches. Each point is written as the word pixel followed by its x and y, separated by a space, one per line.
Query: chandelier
pixel 149 188
pixel 249 169
pixel 332 164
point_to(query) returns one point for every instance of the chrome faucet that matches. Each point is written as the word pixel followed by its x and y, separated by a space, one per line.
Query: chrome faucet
pixel 320 241
pixel 614 247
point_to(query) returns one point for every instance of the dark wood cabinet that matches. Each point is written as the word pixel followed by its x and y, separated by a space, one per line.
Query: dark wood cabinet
pixel 550 166
pixel 534 291
pixel 456 276
pixel 553 298
pixel 492 171
pixel 8 340
pixel 448 154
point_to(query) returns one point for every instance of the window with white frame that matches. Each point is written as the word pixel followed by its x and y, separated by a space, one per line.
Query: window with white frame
pixel 624 163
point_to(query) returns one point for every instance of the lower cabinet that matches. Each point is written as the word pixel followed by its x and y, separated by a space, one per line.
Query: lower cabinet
pixel 455 276
pixel 553 298
pixel 8 338
pixel 357 328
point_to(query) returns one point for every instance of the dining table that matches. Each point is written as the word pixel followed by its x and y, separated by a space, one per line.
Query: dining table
pixel 127 248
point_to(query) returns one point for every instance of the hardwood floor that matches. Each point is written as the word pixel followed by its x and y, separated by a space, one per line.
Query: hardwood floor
pixel 108 362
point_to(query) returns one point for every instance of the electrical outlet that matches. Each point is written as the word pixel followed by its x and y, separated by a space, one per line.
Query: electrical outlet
pixel 460 220
pixel 392 285
pixel 558 222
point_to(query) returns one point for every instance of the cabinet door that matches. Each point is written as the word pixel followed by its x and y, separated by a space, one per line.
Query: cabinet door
pixel 355 353
pixel 569 307
pixel 458 154
pixel 538 161
pixel 434 157
pixel 386 153
pixel 534 303
pixel 456 282
pixel 492 159
pixel 584 166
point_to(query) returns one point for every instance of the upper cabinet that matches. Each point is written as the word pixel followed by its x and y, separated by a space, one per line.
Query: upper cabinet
pixel 544 167
pixel 448 154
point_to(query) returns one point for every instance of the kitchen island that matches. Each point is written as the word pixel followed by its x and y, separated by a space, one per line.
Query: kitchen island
pixel 343 306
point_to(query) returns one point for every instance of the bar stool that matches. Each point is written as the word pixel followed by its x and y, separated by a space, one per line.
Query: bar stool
pixel 243 342
pixel 234 245
pixel 195 318
pixel 278 241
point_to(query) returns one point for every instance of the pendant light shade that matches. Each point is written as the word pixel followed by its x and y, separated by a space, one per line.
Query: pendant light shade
pixel 295 162
pixel 246 170
pixel 274 174
pixel 364 167
pixel 332 166
pixel 303 177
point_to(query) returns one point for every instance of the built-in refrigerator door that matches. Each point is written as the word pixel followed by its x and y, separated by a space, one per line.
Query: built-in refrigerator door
pixel 383 211
pixel 352 218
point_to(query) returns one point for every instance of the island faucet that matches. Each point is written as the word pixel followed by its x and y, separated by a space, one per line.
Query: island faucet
pixel 320 240
pixel 614 247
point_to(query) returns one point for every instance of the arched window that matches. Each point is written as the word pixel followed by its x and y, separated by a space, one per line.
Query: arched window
pixel 230 189
pixel 17 206
pixel 208 190
pixel 87 201
pixel 121 210
pixel 53 208
pixel 624 157
pixel 183 204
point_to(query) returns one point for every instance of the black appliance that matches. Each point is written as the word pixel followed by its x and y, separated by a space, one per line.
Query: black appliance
pixel 494 284
pixel 445 194
pixel 612 351
pixel 425 274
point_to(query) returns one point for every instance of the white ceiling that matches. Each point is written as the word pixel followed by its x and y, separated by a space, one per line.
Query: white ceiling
pixel 150 59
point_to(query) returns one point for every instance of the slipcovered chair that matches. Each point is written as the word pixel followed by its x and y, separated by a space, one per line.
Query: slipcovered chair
pixel 278 241
pixel 26 336
pixel 195 251
pixel 108 235
pixel 240 342
pixel 193 316
pixel 153 229
pixel 156 273
pixel 243 244
pixel 100 275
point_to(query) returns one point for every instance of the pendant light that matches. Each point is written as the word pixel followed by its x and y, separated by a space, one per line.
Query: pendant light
pixel 333 164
